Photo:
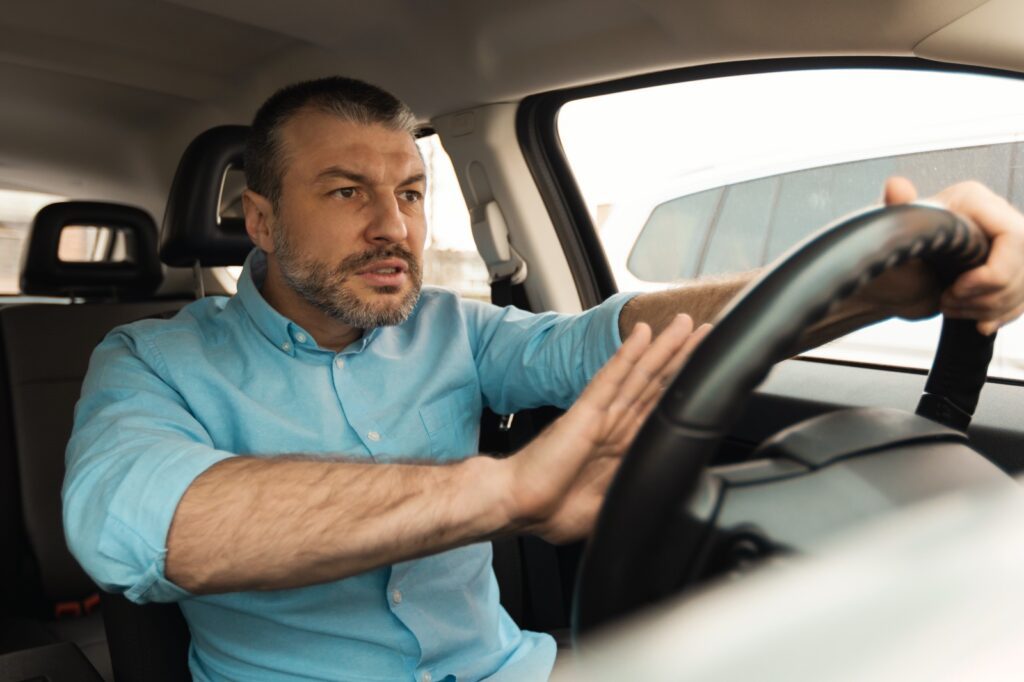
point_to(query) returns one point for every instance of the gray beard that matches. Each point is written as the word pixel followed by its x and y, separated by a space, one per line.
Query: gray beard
pixel 326 288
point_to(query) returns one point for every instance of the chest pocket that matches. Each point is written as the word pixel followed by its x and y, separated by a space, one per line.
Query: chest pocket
pixel 452 422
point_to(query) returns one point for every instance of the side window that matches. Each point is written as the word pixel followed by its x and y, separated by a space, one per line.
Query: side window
pixel 725 175
pixel 17 209
pixel 450 259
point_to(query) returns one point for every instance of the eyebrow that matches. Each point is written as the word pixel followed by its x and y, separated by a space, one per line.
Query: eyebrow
pixel 339 172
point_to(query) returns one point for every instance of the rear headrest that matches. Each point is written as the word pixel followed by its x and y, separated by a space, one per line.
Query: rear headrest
pixel 135 271
pixel 193 229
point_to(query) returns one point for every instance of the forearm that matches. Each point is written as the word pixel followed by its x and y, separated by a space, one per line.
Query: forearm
pixel 273 523
pixel 704 299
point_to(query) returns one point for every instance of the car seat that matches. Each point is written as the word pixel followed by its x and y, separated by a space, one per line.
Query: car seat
pixel 44 354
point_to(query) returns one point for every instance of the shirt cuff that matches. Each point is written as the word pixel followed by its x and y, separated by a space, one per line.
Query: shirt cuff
pixel 134 537
pixel 603 333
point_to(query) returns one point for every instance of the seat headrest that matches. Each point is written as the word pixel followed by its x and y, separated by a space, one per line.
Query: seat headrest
pixel 193 230
pixel 134 271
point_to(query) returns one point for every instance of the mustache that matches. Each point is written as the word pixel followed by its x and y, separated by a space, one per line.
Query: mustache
pixel 358 261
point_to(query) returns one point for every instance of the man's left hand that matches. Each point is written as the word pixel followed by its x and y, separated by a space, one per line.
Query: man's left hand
pixel 992 293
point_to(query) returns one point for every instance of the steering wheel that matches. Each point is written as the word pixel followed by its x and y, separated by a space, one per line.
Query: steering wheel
pixel 646 544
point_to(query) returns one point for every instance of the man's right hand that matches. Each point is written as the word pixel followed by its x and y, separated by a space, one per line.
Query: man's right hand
pixel 558 481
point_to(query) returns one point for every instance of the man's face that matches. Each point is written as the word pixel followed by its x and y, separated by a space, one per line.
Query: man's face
pixel 350 222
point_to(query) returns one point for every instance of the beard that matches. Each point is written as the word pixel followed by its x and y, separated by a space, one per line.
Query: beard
pixel 328 289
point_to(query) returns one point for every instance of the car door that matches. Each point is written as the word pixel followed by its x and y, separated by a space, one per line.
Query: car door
pixel 716 169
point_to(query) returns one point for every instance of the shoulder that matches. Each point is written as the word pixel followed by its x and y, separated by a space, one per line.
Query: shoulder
pixel 437 302
pixel 191 325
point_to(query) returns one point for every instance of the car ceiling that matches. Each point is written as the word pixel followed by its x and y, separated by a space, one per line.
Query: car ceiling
pixel 101 97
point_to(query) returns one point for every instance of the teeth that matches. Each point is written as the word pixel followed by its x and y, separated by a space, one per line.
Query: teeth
pixel 386 271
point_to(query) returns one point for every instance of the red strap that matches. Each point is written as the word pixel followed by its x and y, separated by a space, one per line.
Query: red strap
pixel 77 609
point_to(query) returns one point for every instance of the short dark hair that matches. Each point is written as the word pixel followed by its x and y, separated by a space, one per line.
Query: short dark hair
pixel 348 98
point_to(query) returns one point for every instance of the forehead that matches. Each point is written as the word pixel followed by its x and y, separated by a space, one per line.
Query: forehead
pixel 313 141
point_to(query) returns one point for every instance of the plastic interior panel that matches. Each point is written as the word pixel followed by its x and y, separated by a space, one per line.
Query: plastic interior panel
pixel 805 511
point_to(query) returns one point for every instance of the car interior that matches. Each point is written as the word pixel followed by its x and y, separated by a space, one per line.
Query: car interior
pixel 122 129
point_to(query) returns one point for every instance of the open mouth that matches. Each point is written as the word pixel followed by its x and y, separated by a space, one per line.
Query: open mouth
pixel 390 272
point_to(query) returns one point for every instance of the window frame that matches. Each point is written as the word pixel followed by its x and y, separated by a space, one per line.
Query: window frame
pixel 537 132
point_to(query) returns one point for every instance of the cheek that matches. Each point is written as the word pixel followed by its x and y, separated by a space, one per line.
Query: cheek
pixel 328 236
pixel 417 235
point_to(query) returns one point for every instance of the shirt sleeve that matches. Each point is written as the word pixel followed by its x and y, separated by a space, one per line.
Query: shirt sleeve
pixel 134 450
pixel 527 360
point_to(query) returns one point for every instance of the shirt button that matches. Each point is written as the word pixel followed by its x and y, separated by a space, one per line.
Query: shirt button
pixel 373 435
pixel 300 337
pixel 286 346
pixel 426 676
pixel 339 363
pixel 396 597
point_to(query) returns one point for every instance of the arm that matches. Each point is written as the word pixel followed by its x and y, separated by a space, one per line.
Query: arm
pixel 704 299
pixel 152 507
pixel 993 293
pixel 277 523
pixel 273 523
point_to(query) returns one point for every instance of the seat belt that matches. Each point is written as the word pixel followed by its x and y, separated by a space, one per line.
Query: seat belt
pixel 539 574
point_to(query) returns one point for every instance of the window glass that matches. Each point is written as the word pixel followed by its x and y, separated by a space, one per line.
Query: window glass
pixel 93 243
pixel 450 259
pixel 17 209
pixel 725 175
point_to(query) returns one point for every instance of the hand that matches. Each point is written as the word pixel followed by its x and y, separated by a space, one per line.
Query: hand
pixel 992 293
pixel 559 480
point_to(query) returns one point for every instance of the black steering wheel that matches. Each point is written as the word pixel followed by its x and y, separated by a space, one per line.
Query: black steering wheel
pixel 645 543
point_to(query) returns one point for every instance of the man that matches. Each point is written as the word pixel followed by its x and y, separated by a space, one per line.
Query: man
pixel 294 465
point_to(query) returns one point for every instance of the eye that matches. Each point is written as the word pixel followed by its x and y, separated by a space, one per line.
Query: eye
pixel 345 192
pixel 412 196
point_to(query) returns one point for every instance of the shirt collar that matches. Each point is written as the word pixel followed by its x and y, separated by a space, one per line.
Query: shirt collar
pixel 279 330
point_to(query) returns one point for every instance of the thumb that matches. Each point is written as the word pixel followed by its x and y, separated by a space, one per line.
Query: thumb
pixel 899 191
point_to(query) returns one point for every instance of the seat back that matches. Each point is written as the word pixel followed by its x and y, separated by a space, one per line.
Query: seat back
pixel 150 642
pixel 45 351
pixel 44 355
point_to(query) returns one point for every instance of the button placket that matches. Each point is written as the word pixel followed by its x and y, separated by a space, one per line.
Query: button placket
pixel 368 429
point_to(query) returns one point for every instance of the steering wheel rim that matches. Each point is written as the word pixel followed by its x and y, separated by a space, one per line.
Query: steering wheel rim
pixel 626 564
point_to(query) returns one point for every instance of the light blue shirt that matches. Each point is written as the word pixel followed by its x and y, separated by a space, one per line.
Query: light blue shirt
pixel 166 399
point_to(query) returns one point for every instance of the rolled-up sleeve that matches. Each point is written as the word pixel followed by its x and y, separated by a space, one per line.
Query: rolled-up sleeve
pixel 526 360
pixel 134 450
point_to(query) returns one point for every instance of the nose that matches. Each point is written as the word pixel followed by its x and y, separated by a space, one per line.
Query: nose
pixel 387 224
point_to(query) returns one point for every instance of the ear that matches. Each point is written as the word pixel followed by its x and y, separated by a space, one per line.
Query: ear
pixel 260 220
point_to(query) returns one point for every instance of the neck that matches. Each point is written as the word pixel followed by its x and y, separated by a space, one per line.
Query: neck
pixel 327 331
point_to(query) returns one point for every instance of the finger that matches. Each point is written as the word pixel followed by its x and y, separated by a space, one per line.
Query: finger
pixel 1004 225
pixel 989 305
pixel 972 313
pixel 990 327
pixel 898 190
pixel 606 384
pixel 637 413
pixel 648 369
pixel 953 299
pixel 671 369
pixel 992 213
pixel 999 273
pixel 973 283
